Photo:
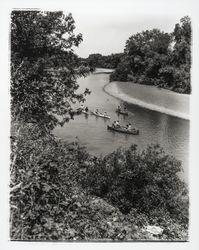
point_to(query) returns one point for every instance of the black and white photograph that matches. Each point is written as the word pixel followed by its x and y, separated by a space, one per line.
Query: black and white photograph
pixel 100 118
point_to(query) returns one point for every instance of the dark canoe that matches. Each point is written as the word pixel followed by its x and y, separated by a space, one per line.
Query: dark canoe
pixel 122 112
pixel 133 131
pixel 100 115
pixel 77 111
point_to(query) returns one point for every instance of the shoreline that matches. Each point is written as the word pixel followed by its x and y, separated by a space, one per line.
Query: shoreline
pixel 123 91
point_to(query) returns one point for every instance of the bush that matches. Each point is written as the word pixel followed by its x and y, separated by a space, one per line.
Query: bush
pixel 145 181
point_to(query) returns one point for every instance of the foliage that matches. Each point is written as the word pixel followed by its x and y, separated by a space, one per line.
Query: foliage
pixel 146 181
pixel 57 190
pixel 44 68
pixel 157 58
pixel 121 72
pixel 144 53
pixel 46 200
pixel 100 61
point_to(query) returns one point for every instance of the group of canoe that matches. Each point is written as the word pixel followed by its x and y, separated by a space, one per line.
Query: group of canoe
pixel 96 112
pixel 115 126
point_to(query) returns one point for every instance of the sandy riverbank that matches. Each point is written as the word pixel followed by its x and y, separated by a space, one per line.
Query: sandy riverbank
pixel 103 71
pixel 151 97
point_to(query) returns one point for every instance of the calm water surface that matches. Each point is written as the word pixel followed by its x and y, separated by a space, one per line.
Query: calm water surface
pixel 170 132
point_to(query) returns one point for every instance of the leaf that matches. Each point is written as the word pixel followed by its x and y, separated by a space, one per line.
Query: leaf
pixel 46 187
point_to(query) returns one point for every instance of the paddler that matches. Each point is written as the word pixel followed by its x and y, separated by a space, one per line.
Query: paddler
pixel 117 124
pixel 119 108
pixel 114 124
pixel 71 113
pixel 82 107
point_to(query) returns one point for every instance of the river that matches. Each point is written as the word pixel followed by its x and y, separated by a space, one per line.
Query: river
pixel 170 132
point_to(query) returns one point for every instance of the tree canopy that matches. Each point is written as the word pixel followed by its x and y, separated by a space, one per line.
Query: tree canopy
pixel 44 68
pixel 157 58
pixel 100 61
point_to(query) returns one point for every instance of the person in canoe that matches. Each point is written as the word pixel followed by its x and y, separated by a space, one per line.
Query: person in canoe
pixel 86 109
pixel 97 112
pixel 119 108
pixel 114 124
pixel 128 126
pixel 82 107
pixel 71 113
pixel 117 124
pixel 105 113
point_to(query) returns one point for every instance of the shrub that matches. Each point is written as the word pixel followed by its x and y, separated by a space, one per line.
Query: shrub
pixel 145 181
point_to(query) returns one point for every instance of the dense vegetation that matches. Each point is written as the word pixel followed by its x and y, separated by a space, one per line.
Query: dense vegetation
pixel 157 58
pixel 63 193
pixel 44 68
pixel 57 190
pixel 145 181
pixel 100 61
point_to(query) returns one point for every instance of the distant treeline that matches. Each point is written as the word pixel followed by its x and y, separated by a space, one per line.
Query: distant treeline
pixel 153 57
pixel 99 61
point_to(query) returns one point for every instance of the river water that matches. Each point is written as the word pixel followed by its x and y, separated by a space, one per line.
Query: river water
pixel 170 132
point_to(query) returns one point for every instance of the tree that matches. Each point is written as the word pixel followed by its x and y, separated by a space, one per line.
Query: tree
pixel 144 55
pixel 145 50
pixel 182 42
pixel 158 58
pixel 176 74
pixel 94 60
pixel 100 61
pixel 44 68
pixel 122 70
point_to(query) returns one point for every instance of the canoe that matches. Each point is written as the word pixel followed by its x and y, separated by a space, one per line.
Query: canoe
pixel 133 131
pixel 86 113
pixel 100 115
pixel 77 112
pixel 122 112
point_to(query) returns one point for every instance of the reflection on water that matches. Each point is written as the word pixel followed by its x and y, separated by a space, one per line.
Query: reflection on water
pixel 170 132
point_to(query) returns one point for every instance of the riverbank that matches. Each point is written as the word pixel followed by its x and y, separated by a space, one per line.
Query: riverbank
pixel 103 71
pixel 151 97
